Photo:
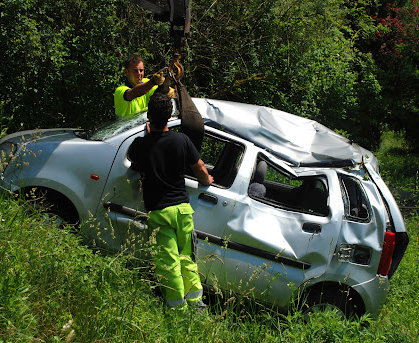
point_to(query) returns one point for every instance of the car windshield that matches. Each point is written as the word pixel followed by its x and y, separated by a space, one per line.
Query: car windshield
pixel 116 127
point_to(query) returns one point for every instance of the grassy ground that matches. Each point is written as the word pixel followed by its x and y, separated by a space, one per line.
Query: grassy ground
pixel 53 289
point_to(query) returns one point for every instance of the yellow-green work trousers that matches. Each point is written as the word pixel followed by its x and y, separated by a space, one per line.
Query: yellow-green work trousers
pixel 172 255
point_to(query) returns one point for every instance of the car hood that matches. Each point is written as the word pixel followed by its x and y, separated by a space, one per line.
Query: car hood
pixel 297 140
pixel 40 135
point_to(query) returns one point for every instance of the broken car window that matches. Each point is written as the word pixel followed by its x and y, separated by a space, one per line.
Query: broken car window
pixel 271 185
pixel 355 200
pixel 222 158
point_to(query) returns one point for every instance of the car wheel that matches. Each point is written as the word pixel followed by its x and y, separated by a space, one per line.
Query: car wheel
pixel 53 204
pixel 327 297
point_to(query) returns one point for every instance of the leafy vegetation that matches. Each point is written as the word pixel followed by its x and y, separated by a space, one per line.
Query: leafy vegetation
pixel 351 65
pixel 400 168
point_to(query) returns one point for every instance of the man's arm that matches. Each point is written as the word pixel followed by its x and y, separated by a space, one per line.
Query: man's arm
pixel 139 90
pixel 201 173
pixel 134 155
pixel 143 88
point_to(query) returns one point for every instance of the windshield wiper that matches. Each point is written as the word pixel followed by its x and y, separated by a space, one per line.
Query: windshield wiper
pixel 81 134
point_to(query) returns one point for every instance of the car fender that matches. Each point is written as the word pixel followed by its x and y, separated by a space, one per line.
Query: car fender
pixel 70 194
pixel 372 291
pixel 81 179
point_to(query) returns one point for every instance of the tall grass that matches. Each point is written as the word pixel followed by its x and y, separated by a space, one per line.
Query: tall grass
pixel 52 289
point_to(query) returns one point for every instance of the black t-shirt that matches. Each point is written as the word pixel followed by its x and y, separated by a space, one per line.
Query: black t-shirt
pixel 162 158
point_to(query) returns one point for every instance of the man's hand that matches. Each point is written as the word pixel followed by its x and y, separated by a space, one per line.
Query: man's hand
pixel 147 128
pixel 157 78
pixel 171 93
pixel 201 173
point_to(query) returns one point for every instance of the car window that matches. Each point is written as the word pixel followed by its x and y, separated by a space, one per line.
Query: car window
pixel 354 198
pixel 222 158
pixel 270 184
pixel 116 127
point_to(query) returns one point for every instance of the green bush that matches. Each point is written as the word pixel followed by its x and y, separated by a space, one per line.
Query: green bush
pixel 58 62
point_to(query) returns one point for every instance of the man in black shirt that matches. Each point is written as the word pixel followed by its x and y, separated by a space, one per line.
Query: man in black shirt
pixel 162 157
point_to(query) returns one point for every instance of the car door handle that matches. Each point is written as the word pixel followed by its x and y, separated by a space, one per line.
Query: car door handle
pixel 312 227
pixel 130 212
pixel 208 198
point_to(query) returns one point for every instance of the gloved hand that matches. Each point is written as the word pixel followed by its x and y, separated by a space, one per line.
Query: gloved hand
pixel 157 78
pixel 171 93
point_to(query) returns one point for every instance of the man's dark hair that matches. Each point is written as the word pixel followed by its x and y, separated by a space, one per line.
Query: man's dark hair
pixel 132 59
pixel 159 110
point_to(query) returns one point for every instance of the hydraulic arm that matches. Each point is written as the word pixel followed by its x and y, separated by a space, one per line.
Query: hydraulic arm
pixel 178 14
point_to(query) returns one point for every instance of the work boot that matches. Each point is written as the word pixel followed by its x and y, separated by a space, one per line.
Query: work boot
pixel 198 306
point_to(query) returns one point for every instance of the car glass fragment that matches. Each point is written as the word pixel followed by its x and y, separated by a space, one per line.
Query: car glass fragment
pixel 285 166
pixel 81 134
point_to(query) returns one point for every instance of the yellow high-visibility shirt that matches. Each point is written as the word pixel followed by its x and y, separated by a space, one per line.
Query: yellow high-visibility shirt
pixel 125 108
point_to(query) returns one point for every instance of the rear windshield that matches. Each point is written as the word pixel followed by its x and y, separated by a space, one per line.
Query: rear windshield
pixel 116 127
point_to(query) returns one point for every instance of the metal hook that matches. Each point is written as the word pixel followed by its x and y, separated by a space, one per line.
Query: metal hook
pixel 176 75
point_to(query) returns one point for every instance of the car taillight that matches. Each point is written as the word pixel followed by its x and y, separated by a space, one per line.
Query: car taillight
pixel 387 253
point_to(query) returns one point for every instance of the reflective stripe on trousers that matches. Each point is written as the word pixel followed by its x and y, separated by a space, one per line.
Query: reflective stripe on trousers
pixel 175 270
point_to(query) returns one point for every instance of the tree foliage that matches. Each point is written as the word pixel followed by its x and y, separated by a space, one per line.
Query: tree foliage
pixel 351 65
pixel 395 50
pixel 58 61
pixel 298 56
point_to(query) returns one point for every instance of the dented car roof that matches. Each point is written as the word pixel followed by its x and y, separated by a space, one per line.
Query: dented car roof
pixel 297 140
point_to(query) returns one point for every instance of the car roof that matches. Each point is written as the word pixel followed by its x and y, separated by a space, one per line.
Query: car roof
pixel 297 140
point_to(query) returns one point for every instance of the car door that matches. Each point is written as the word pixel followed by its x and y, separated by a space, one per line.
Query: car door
pixel 214 204
pixel 120 219
pixel 280 238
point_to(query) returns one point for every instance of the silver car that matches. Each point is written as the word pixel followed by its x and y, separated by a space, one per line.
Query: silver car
pixel 296 211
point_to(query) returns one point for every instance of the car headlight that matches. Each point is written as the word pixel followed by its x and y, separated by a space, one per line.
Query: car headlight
pixel 7 151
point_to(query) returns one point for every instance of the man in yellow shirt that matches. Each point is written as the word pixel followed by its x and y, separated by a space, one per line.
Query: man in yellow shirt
pixel 133 96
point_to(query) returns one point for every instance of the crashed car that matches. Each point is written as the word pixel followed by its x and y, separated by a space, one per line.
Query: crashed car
pixel 295 211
